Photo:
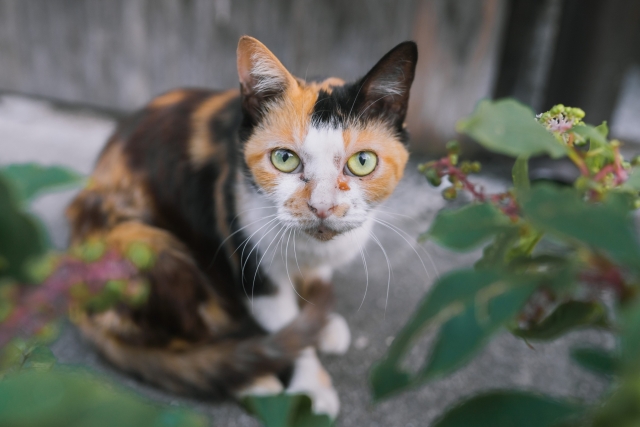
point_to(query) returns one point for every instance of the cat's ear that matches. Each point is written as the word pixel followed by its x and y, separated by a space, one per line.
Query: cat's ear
pixel 262 76
pixel 384 91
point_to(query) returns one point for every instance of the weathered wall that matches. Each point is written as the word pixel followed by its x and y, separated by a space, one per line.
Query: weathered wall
pixel 458 42
pixel 119 53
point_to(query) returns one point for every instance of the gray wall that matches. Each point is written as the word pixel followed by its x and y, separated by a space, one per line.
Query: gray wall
pixel 119 53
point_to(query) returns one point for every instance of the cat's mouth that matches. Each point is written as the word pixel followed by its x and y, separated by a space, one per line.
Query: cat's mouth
pixel 322 232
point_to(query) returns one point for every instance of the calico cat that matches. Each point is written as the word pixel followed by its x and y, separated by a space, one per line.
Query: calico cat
pixel 249 199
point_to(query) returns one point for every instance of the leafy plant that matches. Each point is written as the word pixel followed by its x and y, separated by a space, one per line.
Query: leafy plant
pixel 550 254
pixel 285 410
pixel 37 288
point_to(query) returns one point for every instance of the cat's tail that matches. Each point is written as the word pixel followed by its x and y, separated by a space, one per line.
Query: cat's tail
pixel 220 368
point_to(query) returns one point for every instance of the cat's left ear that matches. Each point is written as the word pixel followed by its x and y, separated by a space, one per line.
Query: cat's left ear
pixel 262 76
pixel 384 91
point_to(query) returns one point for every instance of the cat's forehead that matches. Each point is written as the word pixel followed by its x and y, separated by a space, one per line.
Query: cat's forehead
pixel 318 111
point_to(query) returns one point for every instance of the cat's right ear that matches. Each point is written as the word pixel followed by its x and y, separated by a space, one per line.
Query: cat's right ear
pixel 262 76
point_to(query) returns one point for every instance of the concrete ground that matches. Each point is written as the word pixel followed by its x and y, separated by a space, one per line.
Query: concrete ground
pixel 32 130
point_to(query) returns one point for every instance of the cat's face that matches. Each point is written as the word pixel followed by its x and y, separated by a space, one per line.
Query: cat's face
pixel 324 153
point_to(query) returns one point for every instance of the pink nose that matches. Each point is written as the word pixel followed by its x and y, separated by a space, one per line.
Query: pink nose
pixel 321 211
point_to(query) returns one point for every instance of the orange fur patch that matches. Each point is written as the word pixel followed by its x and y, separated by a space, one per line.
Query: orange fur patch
pixel 392 158
pixel 201 144
pixel 340 210
pixel 167 99
pixel 113 194
pixel 158 240
pixel 297 204
pixel 343 184
pixel 285 125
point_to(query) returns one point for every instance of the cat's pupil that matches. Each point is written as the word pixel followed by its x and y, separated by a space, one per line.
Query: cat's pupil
pixel 285 157
pixel 362 158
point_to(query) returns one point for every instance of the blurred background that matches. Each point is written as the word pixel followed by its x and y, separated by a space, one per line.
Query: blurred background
pixel 118 54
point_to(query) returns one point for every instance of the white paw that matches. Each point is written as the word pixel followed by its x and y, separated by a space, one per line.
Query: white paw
pixel 312 379
pixel 335 338
pixel 324 399
pixel 267 385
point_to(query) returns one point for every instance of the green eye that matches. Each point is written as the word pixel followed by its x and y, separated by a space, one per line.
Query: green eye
pixel 362 163
pixel 285 160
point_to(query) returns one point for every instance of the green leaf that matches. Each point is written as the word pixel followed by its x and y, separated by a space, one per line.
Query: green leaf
pixel 520 174
pixel 606 226
pixel 71 398
pixel 600 151
pixel 630 338
pixel 21 237
pixel 620 409
pixel 634 179
pixel 596 360
pixel 510 409
pixel 468 227
pixel 463 335
pixel 494 255
pixel 285 410
pixel 468 306
pixel 596 135
pixel 30 179
pixel 39 358
pixel 509 127
pixel 603 128
pixel 566 317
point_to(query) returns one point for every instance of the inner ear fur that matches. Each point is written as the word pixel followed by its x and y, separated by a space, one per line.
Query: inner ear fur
pixel 384 91
pixel 262 76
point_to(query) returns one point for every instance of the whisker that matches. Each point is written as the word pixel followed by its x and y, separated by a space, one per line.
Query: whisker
pixel 275 251
pixel 244 244
pixel 379 209
pixel 251 209
pixel 245 241
pixel 398 231
pixel 239 230
pixel 373 236
pixel 260 262
pixel 286 266
pixel 250 252
pixel 296 255
pixel 366 271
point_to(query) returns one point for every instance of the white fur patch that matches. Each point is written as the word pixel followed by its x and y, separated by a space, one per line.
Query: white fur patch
pixel 273 312
pixel 388 87
pixel 309 377
pixel 267 385
pixel 268 74
pixel 335 337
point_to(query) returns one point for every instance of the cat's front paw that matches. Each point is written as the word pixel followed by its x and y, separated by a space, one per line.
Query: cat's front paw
pixel 324 398
pixel 312 379
pixel 335 338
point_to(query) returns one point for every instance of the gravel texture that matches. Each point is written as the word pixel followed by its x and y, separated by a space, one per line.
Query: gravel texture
pixel 32 130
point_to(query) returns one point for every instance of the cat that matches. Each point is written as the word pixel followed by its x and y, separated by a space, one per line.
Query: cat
pixel 216 184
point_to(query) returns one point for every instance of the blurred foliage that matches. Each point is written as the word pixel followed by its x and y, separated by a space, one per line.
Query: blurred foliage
pixel 70 397
pixel 37 287
pixel 552 258
pixel 285 410
pixel 31 179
